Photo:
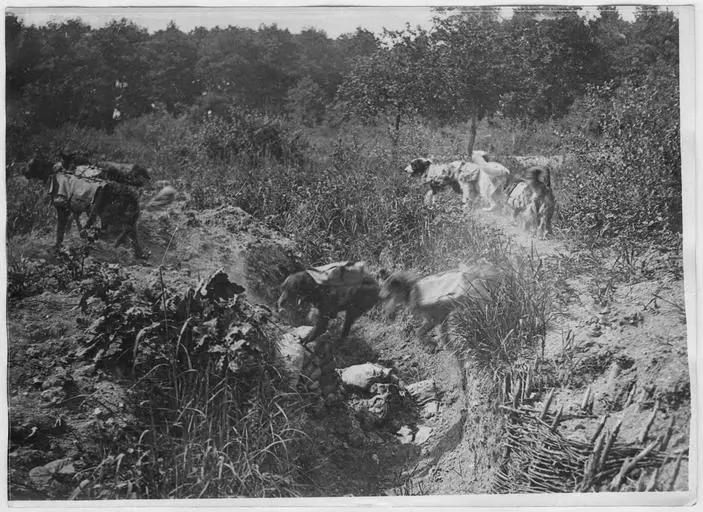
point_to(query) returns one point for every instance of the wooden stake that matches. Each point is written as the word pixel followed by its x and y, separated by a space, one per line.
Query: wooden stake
pixel 667 436
pixel 547 403
pixel 630 396
pixel 617 480
pixel 516 394
pixel 595 455
pixel 611 439
pixel 557 418
pixel 652 481
pixel 643 435
pixel 599 428
pixel 586 396
pixel 672 481
pixel 629 464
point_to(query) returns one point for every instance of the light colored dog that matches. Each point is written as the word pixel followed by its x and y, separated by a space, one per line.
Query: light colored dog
pixel 460 176
pixel 492 179
pixel 532 201
pixel 432 298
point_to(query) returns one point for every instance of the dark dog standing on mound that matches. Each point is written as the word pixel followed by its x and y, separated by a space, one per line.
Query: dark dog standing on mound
pixel 301 289
pixel 115 203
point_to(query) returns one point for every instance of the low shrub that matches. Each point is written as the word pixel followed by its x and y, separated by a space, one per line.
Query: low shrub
pixel 626 183
pixel 509 329
pixel 213 414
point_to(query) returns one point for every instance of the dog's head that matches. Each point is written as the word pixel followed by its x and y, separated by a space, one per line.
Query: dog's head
pixel 141 175
pixel 538 174
pixel 418 166
pixel 478 156
pixel 38 168
pixel 395 291
pixel 295 299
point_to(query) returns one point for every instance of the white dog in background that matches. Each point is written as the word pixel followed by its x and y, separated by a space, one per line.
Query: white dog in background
pixel 492 179
pixel 460 176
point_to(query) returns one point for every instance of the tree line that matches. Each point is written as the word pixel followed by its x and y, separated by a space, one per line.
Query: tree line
pixel 470 64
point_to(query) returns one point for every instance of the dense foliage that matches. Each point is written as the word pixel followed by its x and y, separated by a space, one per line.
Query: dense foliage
pixel 237 113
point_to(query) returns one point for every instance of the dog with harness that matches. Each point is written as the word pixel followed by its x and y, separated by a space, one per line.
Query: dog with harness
pixel 86 190
pixel 326 291
pixel 532 200
pixel 460 176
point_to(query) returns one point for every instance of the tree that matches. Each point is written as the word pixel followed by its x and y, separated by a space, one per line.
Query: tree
pixel 557 58
pixel 305 102
pixel 392 80
pixel 255 67
pixel 172 55
pixel 470 66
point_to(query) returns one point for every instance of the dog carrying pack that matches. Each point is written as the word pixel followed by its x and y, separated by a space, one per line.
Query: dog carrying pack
pixel 341 273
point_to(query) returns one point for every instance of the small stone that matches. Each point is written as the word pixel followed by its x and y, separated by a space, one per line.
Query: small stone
pixel 405 434
pixel 430 409
pixel 423 434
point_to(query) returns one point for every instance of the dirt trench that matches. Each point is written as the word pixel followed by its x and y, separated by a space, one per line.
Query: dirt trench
pixel 623 343
pixel 638 347
pixel 57 395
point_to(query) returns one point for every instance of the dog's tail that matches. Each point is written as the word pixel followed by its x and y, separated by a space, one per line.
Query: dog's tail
pixel 538 173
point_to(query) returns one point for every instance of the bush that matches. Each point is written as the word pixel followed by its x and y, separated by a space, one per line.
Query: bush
pixel 627 182
pixel 252 136
pixel 213 414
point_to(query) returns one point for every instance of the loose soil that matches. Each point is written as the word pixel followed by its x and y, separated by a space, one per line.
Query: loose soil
pixel 632 344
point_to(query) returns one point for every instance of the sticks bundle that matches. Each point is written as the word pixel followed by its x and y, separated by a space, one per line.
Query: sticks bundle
pixel 539 459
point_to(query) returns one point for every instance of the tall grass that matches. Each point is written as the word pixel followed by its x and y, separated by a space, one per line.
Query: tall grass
pixel 212 415
pixel 206 432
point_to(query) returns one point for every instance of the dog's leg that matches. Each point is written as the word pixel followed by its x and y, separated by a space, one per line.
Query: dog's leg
pixel 77 219
pixel 62 218
pixel 423 335
pixel 429 198
pixel 138 252
pixel 489 190
pixel 349 318
pixel 120 238
pixel 319 328
pixel 99 202
pixel 465 195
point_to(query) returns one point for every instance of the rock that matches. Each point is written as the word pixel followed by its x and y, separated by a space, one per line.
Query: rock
pixel 423 391
pixel 41 476
pixel 53 395
pixel 423 434
pixel 362 376
pixel 292 353
pixel 430 409
pixel 378 407
pixel 58 378
pixel 405 435
pixel 595 331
